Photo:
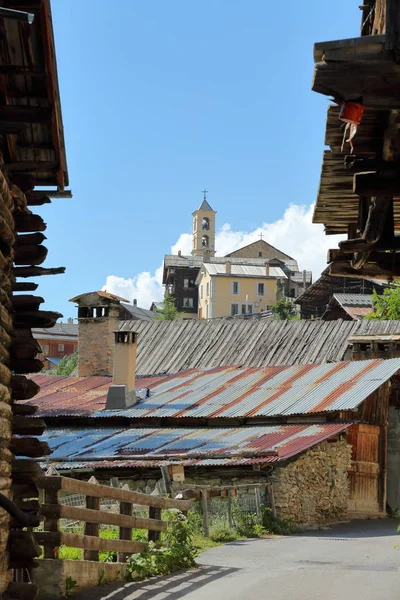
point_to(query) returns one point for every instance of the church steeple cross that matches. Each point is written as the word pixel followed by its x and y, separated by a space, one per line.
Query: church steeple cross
pixel 205 192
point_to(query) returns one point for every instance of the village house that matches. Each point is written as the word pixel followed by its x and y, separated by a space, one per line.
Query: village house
pixel 180 272
pixel 314 300
pixel 230 289
pixel 33 171
pixel 358 190
pixel 314 425
pixel 55 343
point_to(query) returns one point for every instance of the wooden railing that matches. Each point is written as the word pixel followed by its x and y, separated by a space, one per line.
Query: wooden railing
pixel 53 510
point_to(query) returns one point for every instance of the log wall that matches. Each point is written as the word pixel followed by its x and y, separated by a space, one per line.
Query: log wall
pixel 19 312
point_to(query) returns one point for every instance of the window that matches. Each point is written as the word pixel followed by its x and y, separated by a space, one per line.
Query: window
pixel 208 288
pixel 207 311
pixel 188 302
pixel 201 292
pixel 235 288
pixel 45 348
pixel 75 347
pixel 186 283
pixel 60 347
pixel 260 289
pixel 204 241
pixel 234 310
pixel 260 254
pixel 205 224
pixel 247 309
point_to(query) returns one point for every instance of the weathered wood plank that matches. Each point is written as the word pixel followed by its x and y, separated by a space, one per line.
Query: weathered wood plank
pixel 103 491
pixel 86 542
pixel 94 516
pixel 92 529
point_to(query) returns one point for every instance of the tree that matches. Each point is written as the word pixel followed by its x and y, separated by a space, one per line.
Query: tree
pixel 168 310
pixel 387 306
pixel 67 365
pixel 284 310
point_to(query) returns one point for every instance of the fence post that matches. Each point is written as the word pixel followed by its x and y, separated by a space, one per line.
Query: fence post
pixel 92 528
pixel 258 502
pixel 230 520
pixel 272 499
pixel 205 512
pixel 125 533
pixel 154 513
pixel 51 523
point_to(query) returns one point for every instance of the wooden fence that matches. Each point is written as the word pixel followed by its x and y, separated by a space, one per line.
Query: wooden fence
pixel 53 510
pixel 205 492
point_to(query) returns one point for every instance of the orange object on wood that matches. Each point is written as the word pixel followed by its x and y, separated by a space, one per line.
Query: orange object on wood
pixel 351 112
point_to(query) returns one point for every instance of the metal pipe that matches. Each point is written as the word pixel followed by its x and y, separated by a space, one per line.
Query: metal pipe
pixel 17 15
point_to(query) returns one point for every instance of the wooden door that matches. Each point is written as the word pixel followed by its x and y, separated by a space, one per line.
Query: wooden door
pixel 364 474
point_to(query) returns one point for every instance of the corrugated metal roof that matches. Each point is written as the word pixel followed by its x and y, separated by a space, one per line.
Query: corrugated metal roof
pixel 203 344
pixel 116 447
pixel 354 299
pixel 244 270
pixel 225 392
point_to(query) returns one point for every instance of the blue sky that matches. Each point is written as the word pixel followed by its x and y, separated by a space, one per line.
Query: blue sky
pixel 161 99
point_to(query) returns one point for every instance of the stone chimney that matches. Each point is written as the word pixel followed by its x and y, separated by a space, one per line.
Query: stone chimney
pixel 179 253
pixel 121 393
pixel 228 268
pixel 267 269
pixel 70 321
pixel 98 318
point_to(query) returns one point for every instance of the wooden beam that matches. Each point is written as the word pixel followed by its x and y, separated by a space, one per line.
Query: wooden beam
pixel 37 271
pixel 25 114
pixel 26 223
pixel 392 40
pixel 31 165
pixel 62 511
pixel 369 270
pixel 24 286
pixel 74 486
pixel 86 542
pixel 373 184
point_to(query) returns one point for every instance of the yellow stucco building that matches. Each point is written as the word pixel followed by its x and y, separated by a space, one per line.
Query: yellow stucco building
pixel 237 289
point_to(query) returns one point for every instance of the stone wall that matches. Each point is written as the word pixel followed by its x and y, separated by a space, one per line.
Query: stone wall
pixel 315 487
pixel 96 343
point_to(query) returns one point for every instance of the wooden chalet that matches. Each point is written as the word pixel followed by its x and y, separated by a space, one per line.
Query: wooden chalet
pixel 315 299
pixel 32 155
pixel 359 192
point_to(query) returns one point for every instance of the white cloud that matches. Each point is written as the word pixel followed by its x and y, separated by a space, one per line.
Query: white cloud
pixel 294 234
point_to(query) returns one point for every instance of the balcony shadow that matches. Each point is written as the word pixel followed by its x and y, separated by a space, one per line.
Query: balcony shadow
pixel 173 586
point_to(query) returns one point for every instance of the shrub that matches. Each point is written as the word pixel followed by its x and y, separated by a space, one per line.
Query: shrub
pixel 275 525
pixel 177 553
pixel 222 533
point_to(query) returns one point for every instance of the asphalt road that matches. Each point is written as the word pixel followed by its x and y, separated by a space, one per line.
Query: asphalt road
pixel 355 560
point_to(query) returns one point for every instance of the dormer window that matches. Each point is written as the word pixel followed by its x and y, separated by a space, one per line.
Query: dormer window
pixel 205 224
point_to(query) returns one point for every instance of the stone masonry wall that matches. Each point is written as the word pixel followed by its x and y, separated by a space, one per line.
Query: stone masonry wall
pixel 315 487
pixel 96 343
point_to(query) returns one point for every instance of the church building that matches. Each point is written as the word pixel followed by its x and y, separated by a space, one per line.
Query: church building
pixel 181 272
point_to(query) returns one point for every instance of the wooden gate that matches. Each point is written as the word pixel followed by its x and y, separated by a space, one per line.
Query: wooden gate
pixel 366 491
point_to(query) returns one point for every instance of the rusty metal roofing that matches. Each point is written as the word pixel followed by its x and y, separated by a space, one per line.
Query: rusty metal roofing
pixel 224 392
pixel 106 447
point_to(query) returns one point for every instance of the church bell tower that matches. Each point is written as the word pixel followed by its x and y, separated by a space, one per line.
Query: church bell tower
pixel 204 229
